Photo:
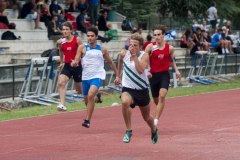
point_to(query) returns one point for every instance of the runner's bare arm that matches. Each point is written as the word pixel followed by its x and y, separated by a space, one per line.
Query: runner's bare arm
pixel 148 49
pixel 60 54
pixel 178 75
pixel 110 62
pixel 120 61
pixel 142 64
pixel 78 56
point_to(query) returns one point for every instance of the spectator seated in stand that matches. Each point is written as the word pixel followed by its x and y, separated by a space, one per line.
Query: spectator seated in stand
pixel 56 9
pixel 102 22
pixel 195 26
pixel 80 20
pixel 186 40
pixel 45 15
pixel 54 32
pixel 205 40
pixel 196 38
pixel 227 38
pixel 29 12
pixel 15 5
pixel 126 25
pixel 81 25
pixel 204 26
pixel 219 43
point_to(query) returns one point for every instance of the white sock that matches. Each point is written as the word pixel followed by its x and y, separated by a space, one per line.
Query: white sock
pixel 227 51
pixel 155 122
pixel 223 51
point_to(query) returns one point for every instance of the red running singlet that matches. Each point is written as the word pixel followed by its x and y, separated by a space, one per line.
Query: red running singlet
pixel 160 59
pixel 69 49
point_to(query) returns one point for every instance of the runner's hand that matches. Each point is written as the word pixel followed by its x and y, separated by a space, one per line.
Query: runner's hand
pixel 178 75
pixel 149 75
pixel 117 81
pixel 60 66
pixel 74 63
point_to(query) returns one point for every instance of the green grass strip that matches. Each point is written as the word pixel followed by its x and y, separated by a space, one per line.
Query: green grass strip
pixel 109 99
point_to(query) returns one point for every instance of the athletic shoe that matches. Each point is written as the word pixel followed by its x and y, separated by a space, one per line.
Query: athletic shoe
pixel 61 107
pixel 86 123
pixel 99 100
pixel 154 137
pixel 127 136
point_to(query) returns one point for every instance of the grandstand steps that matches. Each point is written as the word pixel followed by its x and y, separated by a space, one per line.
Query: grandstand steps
pixel 28 45
pixel 29 34
pixel 180 51
pixel 114 45
pixel 18 57
pixel 11 14
pixel 24 24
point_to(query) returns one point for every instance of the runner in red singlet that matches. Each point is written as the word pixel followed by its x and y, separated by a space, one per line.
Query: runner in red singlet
pixel 161 57
pixel 69 67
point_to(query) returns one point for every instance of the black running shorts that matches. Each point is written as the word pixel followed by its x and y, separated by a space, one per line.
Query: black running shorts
pixel 141 98
pixel 75 72
pixel 158 81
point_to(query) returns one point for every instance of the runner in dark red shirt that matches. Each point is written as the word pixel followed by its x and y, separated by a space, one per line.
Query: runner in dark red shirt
pixel 161 57
pixel 69 67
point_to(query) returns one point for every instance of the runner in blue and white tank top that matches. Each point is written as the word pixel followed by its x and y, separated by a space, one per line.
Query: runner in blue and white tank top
pixel 134 64
pixel 93 63
pixel 93 72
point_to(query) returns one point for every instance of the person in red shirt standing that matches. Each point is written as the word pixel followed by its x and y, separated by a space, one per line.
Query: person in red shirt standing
pixel 161 57
pixel 69 67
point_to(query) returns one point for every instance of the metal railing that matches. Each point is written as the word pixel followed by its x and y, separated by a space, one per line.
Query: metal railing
pixel 12 75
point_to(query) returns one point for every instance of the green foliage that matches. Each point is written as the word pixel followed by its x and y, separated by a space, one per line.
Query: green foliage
pixel 141 10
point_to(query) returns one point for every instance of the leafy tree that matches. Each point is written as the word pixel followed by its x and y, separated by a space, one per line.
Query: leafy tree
pixel 141 10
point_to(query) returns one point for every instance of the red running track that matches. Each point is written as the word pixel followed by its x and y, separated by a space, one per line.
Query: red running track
pixel 199 127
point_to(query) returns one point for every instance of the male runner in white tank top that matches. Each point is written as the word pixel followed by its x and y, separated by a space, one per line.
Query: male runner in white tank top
pixel 134 63
pixel 93 56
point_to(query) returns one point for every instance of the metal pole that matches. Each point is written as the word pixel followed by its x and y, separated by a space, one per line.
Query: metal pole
pixel 236 60
pixel 13 79
pixel 226 57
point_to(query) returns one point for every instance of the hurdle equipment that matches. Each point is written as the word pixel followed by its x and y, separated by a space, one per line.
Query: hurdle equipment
pixel 74 96
pixel 175 84
pixel 197 77
pixel 70 96
pixel 115 88
pixel 211 63
pixel 37 64
pixel 51 89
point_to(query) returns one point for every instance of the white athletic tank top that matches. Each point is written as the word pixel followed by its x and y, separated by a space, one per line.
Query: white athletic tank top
pixel 93 63
pixel 131 78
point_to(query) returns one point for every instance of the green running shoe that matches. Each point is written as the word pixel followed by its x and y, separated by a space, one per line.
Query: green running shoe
pixel 155 137
pixel 127 136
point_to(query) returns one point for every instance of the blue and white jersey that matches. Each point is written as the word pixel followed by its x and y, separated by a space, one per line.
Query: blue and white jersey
pixel 93 63
pixel 131 78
